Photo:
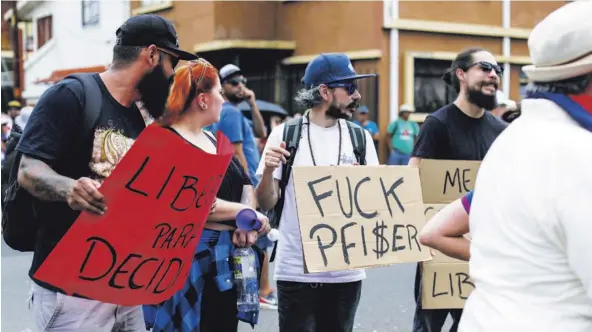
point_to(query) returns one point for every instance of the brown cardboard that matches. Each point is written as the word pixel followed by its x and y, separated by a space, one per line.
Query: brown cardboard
pixel 445 280
pixel 445 285
pixel 359 231
pixel 444 181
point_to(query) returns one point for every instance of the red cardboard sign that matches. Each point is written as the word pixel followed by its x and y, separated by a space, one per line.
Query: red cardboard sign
pixel 140 251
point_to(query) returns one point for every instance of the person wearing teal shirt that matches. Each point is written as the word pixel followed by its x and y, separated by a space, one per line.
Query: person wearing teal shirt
pixel 369 125
pixel 402 134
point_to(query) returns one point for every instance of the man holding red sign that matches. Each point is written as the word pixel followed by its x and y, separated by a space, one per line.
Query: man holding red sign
pixel 63 167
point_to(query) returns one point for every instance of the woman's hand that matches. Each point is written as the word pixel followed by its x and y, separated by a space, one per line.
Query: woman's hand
pixel 265 227
pixel 244 239
pixel 213 208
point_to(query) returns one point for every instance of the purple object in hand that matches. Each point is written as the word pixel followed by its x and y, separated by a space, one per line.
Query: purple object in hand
pixel 247 220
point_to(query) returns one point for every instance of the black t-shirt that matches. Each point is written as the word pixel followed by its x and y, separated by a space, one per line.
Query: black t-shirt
pixel 54 134
pixel 449 133
pixel 235 178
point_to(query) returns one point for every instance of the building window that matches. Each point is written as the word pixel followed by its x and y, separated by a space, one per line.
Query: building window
pixel 430 92
pixel 368 88
pixel 90 12
pixel 44 30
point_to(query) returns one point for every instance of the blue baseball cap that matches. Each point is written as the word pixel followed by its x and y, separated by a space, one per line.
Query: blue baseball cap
pixel 363 109
pixel 330 68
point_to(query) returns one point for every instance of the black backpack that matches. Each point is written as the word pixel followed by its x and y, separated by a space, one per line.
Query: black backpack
pixel 19 218
pixel 291 136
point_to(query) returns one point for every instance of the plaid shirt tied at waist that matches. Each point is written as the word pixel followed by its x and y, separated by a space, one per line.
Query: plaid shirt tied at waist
pixel 212 260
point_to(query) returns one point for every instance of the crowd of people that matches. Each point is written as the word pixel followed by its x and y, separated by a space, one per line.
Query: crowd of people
pixel 528 252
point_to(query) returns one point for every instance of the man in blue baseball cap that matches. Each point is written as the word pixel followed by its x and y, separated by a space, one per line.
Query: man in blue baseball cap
pixel 332 78
pixel 319 301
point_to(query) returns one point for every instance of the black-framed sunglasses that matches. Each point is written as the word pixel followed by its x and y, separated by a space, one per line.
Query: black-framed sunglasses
pixel 487 67
pixel 172 56
pixel 237 80
pixel 350 87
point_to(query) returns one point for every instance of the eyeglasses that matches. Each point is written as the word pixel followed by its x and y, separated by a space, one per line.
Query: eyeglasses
pixel 237 80
pixel 174 57
pixel 487 67
pixel 350 87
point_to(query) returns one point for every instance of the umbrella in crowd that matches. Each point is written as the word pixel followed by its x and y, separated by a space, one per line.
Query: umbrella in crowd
pixel 267 109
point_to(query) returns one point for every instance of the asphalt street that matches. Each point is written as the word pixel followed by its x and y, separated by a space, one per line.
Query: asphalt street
pixel 386 305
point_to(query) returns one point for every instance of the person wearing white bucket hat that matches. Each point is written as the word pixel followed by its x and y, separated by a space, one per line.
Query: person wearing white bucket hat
pixel 530 223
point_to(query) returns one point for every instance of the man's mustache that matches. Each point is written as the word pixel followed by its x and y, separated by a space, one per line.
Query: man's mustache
pixel 354 105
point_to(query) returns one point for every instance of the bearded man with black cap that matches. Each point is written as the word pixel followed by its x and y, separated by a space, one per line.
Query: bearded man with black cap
pixel 63 166
pixel 463 130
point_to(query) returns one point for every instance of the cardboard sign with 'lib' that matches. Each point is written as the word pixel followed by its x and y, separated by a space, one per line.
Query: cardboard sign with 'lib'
pixel 140 251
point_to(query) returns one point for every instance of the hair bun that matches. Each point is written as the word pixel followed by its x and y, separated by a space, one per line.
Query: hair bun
pixel 447 77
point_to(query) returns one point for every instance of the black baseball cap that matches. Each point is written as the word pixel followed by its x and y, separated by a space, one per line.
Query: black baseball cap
pixel 148 29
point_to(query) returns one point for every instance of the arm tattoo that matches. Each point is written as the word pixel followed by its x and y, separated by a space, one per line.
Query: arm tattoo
pixel 43 182
pixel 248 196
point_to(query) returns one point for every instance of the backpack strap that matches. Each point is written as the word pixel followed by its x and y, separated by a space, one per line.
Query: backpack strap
pixel 358 138
pixel 291 136
pixel 93 100
pixel 210 135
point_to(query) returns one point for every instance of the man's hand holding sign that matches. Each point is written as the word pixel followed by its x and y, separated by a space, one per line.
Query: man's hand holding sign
pixel 353 217
pixel 140 249
pixel 84 195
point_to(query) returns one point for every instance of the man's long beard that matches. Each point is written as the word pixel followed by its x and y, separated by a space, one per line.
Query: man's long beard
pixel 154 89
pixel 335 112
pixel 476 97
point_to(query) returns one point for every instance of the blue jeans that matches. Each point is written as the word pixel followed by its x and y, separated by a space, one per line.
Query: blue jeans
pixel 431 320
pixel 398 158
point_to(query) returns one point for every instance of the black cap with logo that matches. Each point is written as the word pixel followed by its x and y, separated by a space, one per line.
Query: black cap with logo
pixel 146 30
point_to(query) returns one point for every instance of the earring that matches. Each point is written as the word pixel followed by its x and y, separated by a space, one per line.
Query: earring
pixel 204 106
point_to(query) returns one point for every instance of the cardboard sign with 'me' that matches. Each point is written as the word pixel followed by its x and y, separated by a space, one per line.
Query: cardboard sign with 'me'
pixel 359 216
pixel 140 251
pixel 445 280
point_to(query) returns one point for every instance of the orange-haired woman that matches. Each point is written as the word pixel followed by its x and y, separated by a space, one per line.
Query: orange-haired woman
pixel 208 300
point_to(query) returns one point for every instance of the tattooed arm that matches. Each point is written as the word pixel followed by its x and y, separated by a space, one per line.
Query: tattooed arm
pixel 43 182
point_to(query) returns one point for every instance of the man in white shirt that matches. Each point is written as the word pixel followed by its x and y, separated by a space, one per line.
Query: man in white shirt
pixel 317 301
pixel 530 221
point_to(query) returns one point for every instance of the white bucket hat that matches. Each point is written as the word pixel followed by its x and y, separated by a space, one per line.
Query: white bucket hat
pixel 406 108
pixel 561 45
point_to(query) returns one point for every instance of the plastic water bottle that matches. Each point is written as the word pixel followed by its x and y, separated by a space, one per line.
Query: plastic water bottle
pixel 245 279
